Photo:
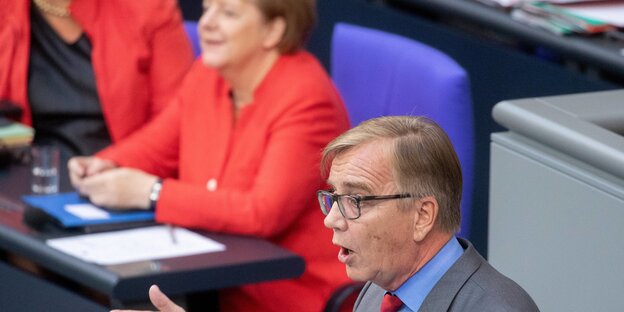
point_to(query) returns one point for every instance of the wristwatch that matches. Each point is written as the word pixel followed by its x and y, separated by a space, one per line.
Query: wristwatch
pixel 155 194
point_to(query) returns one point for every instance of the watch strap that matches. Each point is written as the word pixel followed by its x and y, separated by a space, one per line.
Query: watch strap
pixel 155 193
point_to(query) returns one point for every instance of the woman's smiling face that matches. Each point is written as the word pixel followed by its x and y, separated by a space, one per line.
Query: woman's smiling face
pixel 232 32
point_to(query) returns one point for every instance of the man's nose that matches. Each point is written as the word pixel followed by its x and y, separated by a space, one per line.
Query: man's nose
pixel 334 219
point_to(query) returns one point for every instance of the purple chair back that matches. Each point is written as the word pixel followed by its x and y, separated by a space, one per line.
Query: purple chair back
pixel 191 31
pixel 382 74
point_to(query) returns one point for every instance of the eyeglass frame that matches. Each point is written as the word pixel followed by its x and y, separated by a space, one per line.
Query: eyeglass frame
pixel 357 198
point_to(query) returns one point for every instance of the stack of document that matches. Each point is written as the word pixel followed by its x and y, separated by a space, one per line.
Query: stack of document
pixel 511 3
pixel 559 18
pixel 14 134
pixel 611 12
pixel 564 17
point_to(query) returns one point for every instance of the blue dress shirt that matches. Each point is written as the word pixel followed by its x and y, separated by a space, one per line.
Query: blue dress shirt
pixel 414 291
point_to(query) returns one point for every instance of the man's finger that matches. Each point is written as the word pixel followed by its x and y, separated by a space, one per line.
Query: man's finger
pixel 161 301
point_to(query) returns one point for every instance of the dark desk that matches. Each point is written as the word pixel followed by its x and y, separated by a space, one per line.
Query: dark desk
pixel 246 260
pixel 596 51
pixel 19 290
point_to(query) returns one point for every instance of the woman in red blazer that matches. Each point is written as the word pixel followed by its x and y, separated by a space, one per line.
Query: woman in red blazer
pixel 87 73
pixel 238 150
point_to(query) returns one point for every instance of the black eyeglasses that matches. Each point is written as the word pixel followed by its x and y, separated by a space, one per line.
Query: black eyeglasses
pixel 349 205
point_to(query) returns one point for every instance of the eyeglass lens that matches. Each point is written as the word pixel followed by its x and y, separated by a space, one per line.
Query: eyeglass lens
pixel 346 205
pixel 326 202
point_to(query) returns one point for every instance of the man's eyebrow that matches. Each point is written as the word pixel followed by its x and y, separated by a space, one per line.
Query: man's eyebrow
pixel 351 185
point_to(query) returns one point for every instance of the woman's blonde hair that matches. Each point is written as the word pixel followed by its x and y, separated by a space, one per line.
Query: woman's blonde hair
pixel 299 15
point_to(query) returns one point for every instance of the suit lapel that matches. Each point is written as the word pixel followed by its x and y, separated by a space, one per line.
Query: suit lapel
pixel 442 295
pixel 370 298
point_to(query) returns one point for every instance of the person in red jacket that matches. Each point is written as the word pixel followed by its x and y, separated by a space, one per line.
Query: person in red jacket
pixel 238 150
pixel 87 73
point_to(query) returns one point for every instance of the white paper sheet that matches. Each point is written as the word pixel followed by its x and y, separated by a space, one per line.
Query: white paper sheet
pixel 87 211
pixel 148 243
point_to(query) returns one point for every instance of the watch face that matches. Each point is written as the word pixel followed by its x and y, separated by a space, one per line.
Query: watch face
pixel 155 193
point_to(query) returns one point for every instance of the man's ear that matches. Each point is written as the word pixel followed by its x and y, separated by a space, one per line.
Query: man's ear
pixel 276 30
pixel 425 217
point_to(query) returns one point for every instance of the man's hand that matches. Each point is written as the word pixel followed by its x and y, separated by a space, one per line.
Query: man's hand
pixel 160 301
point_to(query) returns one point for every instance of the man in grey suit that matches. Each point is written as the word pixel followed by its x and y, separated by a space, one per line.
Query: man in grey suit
pixel 396 182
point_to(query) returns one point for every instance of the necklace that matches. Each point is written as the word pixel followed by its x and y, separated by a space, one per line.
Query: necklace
pixel 52 9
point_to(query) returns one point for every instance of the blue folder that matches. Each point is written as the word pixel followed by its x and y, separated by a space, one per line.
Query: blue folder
pixel 54 206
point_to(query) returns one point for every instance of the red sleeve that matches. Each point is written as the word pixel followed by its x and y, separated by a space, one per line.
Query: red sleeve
pixel 168 65
pixel 283 188
pixel 153 148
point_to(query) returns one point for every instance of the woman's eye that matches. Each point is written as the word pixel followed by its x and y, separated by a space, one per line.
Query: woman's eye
pixel 230 13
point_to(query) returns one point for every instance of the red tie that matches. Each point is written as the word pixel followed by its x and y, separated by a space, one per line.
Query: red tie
pixel 390 303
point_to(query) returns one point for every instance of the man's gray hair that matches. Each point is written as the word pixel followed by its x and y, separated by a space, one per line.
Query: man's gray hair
pixel 424 161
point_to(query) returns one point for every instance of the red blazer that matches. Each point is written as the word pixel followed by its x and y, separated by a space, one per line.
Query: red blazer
pixel 256 175
pixel 140 56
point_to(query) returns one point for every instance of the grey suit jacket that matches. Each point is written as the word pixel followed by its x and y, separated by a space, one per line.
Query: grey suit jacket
pixel 471 284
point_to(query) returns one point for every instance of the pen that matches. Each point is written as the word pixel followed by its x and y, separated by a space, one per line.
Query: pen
pixel 172 234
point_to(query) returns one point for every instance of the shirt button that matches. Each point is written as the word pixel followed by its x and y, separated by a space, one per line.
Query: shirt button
pixel 212 185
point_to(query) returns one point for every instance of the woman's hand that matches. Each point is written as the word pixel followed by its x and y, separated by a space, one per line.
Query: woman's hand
pixel 82 167
pixel 119 188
